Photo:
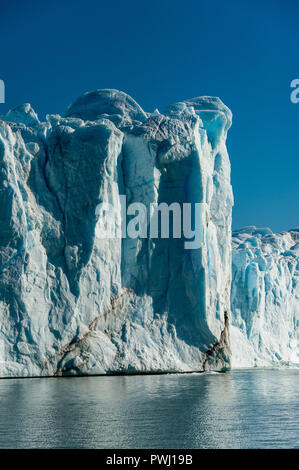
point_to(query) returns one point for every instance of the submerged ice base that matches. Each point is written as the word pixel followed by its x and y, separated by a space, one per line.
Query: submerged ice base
pixel 71 303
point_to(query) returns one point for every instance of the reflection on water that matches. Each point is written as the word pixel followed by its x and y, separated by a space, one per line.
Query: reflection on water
pixel 241 409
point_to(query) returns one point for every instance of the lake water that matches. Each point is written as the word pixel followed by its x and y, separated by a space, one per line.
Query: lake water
pixel 240 409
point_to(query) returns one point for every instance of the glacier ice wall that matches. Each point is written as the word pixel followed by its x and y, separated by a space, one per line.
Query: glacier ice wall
pixel 265 297
pixel 72 303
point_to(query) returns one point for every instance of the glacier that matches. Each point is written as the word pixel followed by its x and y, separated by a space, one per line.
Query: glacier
pixel 265 298
pixel 72 303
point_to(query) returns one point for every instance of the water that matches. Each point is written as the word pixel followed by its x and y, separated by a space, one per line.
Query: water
pixel 241 409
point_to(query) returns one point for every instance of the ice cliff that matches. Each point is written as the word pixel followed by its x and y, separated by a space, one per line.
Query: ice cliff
pixel 265 297
pixel 72 303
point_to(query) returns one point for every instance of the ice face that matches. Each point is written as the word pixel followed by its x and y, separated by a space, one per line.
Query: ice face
pixel 72 303
pixel 264 299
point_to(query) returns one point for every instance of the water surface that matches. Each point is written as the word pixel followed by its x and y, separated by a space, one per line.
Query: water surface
pixel 240 409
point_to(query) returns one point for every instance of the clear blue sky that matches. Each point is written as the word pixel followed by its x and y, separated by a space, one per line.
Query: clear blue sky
pixel 163 51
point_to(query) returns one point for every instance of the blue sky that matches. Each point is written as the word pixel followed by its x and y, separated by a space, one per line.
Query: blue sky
pixel 163 51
